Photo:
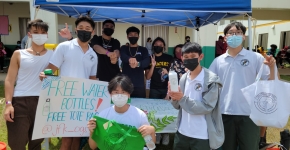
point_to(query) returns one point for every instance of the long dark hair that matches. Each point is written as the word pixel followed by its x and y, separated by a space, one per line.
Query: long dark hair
pixel 177 46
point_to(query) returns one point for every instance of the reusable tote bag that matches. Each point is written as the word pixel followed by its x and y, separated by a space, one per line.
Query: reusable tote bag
pixel 269 101
pixel 110 135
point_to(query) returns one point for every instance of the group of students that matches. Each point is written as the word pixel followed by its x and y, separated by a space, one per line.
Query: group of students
pixel 212 110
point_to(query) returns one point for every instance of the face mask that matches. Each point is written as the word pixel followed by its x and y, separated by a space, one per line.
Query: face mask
pixel 120 100
pixel 158 49
pixel 234 41
pixel 108 31
pixel 178 55
pixel 190 64
pixel 18 44
pixel 83 35
pixel 133 40
pixel 187 40
pixel 39 39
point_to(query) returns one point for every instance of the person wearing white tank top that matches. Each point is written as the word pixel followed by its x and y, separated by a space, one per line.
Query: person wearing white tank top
pixel 22 100
pixel 75 58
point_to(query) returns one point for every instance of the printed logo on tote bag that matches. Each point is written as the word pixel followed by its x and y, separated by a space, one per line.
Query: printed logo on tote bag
pixel 266 103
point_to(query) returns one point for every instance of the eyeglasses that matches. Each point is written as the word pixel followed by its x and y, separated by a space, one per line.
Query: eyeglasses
pixel 235 33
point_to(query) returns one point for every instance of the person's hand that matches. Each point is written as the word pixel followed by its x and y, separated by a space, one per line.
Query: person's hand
pixel 164 71
pixel 92 125
pixel 133 61
pixel 153 62
pixel 133 65
pixel 65 33
pixel 42 76
pixel 175 95
pixel 114 60
pixel 117 52
pixel 167 97
pixel 146 130
pixel 9 113
pixel 112 55
pixel 270 61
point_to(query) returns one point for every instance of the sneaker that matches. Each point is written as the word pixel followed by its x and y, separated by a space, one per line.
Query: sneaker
pixel 158 138
pixel 165 139
pixel 264 146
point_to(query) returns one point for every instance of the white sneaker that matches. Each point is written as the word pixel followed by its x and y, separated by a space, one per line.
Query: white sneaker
pixel 158 138
pixel 165 139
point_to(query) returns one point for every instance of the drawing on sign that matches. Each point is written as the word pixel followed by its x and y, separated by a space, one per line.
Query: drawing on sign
pixel 266 103
pixel 159 124
pixel 46 107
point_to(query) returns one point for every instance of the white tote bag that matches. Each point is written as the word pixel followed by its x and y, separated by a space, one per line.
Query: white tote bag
pixel 269 101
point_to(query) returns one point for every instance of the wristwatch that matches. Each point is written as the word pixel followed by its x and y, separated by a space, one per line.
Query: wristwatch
pixel 138 64
pixel 8 102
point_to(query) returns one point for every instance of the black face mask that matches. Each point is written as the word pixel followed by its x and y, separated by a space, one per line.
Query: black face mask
pixel 187 40
pixel 108 31
pixel 133 40
pixel 190 64
pixel 158 49
pixel 84 36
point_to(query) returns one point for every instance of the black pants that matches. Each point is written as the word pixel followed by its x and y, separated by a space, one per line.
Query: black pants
pixel 158 93
pixel 139 92
pixel 182 142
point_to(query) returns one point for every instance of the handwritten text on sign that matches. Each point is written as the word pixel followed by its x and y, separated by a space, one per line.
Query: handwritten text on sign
pixel 66 104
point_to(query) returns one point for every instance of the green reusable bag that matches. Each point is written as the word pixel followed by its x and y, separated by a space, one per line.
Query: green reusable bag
pixel 110 135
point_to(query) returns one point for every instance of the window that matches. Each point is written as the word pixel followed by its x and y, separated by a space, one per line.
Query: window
pixel 284 39
pixel 222 22
pixel 263 40
pixel 246 42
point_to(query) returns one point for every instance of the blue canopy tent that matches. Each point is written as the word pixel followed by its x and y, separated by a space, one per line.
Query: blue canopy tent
pixel 184 13
pixel 181 13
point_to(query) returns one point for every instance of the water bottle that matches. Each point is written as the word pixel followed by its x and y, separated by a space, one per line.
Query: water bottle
pixel 173 80
pixel 149 142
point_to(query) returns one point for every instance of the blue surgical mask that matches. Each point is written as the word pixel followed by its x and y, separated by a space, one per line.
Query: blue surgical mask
pixel 234 41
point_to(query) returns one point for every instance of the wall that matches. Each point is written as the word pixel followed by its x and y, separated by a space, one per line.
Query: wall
pixel 264 26
pixel 22 12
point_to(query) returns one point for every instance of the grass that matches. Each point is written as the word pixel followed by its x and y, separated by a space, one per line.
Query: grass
pixel 273 134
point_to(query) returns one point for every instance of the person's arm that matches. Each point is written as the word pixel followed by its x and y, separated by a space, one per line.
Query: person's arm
pixel 198 107
pixel 92 126
pixel 9 85
pixel 146 128
pixel 92 143
pixel 124 57
pixel 149 72
pixel 145 62
pixel 55 61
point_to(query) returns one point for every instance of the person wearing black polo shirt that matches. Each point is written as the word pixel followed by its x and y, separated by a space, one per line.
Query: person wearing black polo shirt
pixel 135 58
pixel 158 73
pixel 107 49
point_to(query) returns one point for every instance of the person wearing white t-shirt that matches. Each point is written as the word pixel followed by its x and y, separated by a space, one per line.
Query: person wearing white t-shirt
pixel 120 89
pixel 237 69
pixel 75 58
pixel 199 123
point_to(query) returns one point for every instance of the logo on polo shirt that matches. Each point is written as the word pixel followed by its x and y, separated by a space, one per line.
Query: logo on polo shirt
pixel 266 103
pixel 198 87
pixel 245 62
pixel 92 57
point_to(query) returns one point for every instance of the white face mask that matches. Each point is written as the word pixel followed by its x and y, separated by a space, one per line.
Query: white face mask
pixel 120 100
pixel 39 39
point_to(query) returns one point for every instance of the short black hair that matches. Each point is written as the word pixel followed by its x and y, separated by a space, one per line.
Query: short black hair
pixel 38 23
pixel 221 37
pixel 148 39
pixel 123 81
pixel 18 41
pixel 86 19
pixel 273 46
pixel 159 39
pixel 132 29
pixel 177 46
pixel 187 37
pixel 238 25
pixel 191 48
pixel 109 21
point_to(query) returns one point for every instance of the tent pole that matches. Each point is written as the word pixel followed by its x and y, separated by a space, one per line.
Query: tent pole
pixel 250 37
